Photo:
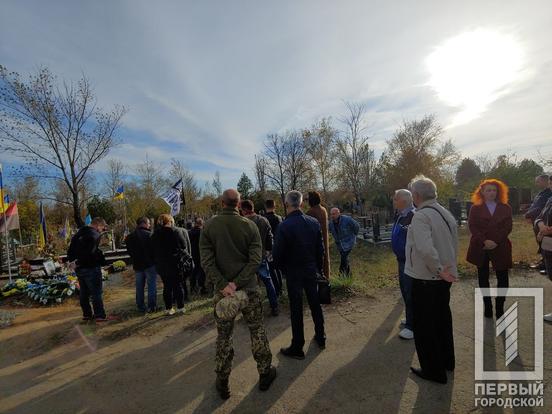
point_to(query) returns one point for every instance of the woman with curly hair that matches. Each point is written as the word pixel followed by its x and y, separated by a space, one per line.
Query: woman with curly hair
pixel 490 223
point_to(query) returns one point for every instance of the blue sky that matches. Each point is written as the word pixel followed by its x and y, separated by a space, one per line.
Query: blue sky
pixel 205 81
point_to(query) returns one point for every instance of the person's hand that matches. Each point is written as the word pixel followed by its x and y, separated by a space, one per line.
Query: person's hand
pixel 72 265
pixel 540 236
pixel 447 276
pixel 229 290
pixel 489 245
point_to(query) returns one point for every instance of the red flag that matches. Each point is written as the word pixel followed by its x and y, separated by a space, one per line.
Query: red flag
pixel 12 218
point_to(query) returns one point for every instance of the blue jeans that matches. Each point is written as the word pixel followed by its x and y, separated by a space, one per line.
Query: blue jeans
pixel 90 283
pixel 405 283
pixel 264 274
pixel 149 275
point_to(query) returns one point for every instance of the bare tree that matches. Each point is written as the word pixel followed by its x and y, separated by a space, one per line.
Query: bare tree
pixel 320 143
pixel 355 156
pixel 58 131
pixel 217 184
pixel 151 179
pixel 287 165
pixel 260 173
pixel 115 176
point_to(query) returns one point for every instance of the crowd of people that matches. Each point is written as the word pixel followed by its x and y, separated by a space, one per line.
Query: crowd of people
pixel 231 253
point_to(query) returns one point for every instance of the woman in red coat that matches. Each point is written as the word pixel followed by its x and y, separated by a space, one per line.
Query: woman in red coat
pixel 490 223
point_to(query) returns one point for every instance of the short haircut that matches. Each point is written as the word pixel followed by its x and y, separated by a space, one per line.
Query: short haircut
pixel 404 194
pixel 544 177
pixel 142 220
pixel 165 219
pixel 269 204
pixel 199 221
pixel 247 205
pixel 98 221
pixel 314 198
pixel 231 198
pixel 424 187
pixel 294 199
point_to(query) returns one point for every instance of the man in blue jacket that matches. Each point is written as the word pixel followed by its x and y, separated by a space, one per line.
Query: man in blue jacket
pixel 299 253
pixel 344 231
pixel 402 202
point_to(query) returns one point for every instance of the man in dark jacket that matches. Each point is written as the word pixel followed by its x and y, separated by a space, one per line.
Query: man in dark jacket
pixel 274 220
pixel 545 192
pixel 140 251
pixel 197 280
pixel 248 210
pixel 299 252
pixel 231 252
pixel 85 255
pixel 402 202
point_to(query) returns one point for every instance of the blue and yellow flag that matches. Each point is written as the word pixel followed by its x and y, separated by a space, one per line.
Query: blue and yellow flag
pixel 88 220
pixel 120 193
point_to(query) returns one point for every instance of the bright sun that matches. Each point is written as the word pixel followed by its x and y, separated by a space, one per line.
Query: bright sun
pixel 473 69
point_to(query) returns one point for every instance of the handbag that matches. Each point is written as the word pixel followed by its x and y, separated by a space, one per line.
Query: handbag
pixel 324 290
pixel 546 244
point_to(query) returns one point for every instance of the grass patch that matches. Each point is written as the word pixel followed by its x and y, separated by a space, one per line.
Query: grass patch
pixel 375 267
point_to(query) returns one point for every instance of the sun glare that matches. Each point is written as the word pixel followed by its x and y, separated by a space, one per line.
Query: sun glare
pixel 473 69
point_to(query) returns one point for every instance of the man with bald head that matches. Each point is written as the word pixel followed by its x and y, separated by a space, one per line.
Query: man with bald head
pixel 231 252
pixel 344 231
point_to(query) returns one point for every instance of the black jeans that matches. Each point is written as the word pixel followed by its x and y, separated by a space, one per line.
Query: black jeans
pixel 432 322
pixel 548 263
pixel 483 273
pixel 197 279
pixel 344 266
pixel 295 285
pixel 173 290
pixel 90 283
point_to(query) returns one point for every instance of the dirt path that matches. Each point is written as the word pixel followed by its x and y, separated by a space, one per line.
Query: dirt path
pixel 165 365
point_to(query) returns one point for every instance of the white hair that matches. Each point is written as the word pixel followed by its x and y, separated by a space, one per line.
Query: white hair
pixel 404 194
pixel 294 199
pixel 424 187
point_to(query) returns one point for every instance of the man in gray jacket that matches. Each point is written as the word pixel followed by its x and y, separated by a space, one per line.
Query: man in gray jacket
pixel 431 255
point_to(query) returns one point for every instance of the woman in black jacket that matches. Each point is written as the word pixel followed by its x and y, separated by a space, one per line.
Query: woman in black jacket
pixel 169 246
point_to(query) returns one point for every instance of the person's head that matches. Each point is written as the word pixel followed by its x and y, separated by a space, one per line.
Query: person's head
pixel 198 222
pixel 230 198
pixel 402 199
pixel 143 222
pixel 270 206
pixel 247 208
pixel 99 224
pixel 335 213
pixel 294 200
pixel 490 190
pixel 165 220
pixel 542 181
pixel 422 189
pixel 314 198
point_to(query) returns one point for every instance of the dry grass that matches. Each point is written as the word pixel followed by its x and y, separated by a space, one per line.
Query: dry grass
pixel 375 267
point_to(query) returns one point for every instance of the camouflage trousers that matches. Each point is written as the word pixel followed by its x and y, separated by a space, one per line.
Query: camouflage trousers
pixel 253 316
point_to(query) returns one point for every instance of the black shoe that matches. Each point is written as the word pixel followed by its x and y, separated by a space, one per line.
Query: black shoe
pixel 292 353
pixel 321 342
pixel 222 388
pixel 422 375
pixel 266 379
pixel 275 312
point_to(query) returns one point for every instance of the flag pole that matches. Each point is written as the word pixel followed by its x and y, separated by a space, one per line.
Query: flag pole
pixel 5 228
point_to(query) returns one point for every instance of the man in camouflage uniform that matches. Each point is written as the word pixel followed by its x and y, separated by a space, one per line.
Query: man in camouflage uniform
pixel 231 249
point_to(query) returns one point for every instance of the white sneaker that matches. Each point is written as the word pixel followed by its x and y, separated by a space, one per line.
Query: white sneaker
pixel 181 310
pixel 548 317
pixel 170 311
pixel 406 334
